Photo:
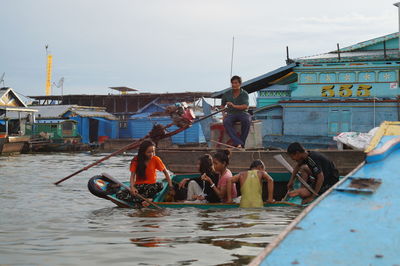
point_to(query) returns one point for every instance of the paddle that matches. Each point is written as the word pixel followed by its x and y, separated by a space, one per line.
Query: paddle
pixel 129 189
pixel 133 146
pixel 288 167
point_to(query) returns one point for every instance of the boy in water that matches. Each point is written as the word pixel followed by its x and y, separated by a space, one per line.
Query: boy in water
pixel 251 186
pixel 315 169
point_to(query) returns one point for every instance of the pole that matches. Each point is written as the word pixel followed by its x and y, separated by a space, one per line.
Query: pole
pixel 398 8
pixel 233 49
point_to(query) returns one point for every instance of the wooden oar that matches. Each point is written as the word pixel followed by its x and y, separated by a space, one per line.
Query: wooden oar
pixel 129 189
pixel 133 146
pixel 288 167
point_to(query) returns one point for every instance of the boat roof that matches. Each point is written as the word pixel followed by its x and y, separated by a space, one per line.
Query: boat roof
pixel 353 223
pixel 370 50
pixel 263 81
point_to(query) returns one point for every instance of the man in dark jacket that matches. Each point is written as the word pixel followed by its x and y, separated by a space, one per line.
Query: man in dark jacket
pixel 315 168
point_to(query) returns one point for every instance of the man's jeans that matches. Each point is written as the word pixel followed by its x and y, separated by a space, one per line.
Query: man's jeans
pixel 229 122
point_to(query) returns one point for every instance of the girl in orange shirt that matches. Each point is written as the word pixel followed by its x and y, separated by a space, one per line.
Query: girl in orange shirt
pixel 143 173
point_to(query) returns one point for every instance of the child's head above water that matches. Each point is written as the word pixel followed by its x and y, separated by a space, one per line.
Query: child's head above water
pixel 257 165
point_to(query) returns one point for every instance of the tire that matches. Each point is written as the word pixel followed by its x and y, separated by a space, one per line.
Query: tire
pixel 95 189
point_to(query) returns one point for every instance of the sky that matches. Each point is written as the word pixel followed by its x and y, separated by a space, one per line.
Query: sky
pixel 174 45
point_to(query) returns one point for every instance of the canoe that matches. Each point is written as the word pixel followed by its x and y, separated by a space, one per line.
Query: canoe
pixel 353 223
pixel 102 187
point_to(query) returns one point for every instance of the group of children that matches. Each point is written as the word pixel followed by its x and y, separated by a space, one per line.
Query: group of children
pixel 217 184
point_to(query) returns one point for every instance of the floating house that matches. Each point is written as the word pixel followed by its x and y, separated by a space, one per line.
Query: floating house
pixel 154 113
pixel 314 98
pixel 91 124
pixel 123 105
pixel 12 125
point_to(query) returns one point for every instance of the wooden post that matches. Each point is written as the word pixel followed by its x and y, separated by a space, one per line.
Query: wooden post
pixel 384 49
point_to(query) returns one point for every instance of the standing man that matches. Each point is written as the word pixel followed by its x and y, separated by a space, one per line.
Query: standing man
pixel 237 101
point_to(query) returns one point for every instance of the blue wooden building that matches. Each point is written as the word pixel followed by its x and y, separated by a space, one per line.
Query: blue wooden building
pixel 314 98
pixel 154 113
pixel 94 123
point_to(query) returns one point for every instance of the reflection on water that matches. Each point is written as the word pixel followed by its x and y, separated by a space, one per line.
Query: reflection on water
pixel 48 225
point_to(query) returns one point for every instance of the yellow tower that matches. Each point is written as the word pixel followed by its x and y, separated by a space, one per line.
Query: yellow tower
pixel 48 72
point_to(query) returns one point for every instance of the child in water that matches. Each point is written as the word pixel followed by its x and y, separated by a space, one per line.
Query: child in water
pixel 251 186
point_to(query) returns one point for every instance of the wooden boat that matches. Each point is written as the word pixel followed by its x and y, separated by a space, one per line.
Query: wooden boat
pixel 181 160
pixel 13 144
pixel 353 223
pixel 102 187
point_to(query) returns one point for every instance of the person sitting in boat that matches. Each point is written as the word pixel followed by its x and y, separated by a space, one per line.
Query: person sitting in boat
pixel 314 168
pixel 221 162
pixel 143 173
pixel 237 101
pixel 251 186
pixel 199 190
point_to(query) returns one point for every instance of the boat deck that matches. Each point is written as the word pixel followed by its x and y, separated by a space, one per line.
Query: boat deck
pixel 350 224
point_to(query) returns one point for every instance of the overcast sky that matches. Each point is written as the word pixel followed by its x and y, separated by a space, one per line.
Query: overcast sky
pixel 170 46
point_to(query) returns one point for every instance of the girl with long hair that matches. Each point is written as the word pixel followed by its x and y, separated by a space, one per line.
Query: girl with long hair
pixel 198 189
pixel 143 173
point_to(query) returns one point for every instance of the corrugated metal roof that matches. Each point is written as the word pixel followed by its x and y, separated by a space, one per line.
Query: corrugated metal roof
pixel 93 113
pixel 4 91
pixel 260 82
pixel 363 44
pixel 52 111
pixel 355 52
pixel 57 111
pixel 350 56
pixel 54 121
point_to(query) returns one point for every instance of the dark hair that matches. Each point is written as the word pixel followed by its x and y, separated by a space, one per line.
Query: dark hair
pixel 223 156
pixel 257 163
pixel 294 148
pixel 142 158
pixel 236 78
pixel 206 164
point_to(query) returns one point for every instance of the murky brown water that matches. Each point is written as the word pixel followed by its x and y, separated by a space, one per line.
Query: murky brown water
pixel 41 224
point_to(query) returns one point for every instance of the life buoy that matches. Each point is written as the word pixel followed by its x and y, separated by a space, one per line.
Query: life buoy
pixel 100 186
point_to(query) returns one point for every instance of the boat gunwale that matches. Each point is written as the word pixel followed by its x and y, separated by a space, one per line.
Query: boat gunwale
pixel 282 236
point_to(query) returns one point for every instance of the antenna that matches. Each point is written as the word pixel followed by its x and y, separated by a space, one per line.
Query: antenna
pixel 233 50
pixel 2 78
pixel 60 84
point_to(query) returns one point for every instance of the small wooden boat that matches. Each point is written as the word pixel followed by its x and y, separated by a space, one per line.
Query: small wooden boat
pixel 103 187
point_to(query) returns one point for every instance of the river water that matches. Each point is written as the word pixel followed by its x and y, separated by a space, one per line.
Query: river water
pixel 43 224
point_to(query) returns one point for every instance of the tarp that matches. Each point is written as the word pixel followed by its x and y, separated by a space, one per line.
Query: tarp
pixel 206 123
pixel 355 140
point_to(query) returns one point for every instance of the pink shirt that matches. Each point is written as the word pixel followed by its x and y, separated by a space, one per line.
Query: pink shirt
pixel 223 180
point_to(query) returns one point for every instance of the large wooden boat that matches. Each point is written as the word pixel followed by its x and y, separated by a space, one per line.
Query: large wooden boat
pixel 13 144
pixel 353 223
pixel 184 160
